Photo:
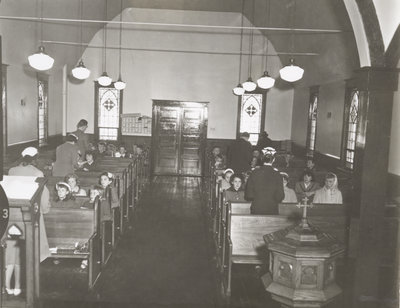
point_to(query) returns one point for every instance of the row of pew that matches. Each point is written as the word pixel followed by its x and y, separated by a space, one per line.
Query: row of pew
pixel 238 236
pixel 76 231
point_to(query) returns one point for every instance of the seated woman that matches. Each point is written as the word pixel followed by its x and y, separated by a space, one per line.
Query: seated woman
pixel 95 191
pixel 64 196
pixel 89 164
pixel 290 195
pixel 73 182
pixel 330 192
pixel 255 162
pixel 106 182
pixel 225 182
pixel 306 187
pixel 235 192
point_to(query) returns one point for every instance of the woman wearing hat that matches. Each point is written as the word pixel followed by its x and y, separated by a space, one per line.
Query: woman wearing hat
pixel 226 179
pixel 67 157
pixel 27 168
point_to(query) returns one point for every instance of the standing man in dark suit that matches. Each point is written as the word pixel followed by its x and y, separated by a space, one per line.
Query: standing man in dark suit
pixel 83 139
pixel 265 186
pixel 240 154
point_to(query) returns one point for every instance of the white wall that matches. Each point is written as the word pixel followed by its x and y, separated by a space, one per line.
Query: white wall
pixel 389 18
pixel 178 75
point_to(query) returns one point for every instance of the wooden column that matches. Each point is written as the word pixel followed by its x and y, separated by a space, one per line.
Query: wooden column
pixel 376 86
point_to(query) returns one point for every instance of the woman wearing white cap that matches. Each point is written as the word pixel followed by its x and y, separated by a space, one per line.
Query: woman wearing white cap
pixel 67 156
pixel 27 168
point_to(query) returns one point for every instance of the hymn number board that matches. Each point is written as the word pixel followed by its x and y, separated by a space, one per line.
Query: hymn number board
pixel 134 124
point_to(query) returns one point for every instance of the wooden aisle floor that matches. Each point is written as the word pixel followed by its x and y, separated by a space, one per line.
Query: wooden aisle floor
pixel 163 260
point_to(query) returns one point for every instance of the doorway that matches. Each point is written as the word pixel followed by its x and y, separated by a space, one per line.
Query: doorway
pixel 179 134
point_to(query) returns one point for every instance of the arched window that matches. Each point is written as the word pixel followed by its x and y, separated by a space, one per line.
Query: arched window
pixel 312 122
pixel 251 115
pixel 108 108
pixel 43 125
pixel 352 112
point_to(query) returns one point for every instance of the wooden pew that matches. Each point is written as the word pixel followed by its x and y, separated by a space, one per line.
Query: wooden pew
pixel 242 233
pixel 68 228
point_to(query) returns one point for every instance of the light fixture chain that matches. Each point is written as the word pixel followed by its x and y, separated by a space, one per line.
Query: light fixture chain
pixel 268 14
pixel 251 40
pixel 120 39
pixel 241 42
pixel 41 22
pixel 81 14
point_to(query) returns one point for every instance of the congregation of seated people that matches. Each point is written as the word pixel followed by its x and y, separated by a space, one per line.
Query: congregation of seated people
pixel 303 189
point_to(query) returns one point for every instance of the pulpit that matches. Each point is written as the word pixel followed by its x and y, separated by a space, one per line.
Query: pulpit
pixel 302 265
pixel 24 194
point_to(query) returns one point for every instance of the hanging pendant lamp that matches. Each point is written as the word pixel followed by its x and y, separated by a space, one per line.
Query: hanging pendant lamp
pixel 266 81
pixel 249 85
pixel 292 72
pixel 80 71
pixel 40 60
pixel 238 90
pixel 104 80
pixel 119 84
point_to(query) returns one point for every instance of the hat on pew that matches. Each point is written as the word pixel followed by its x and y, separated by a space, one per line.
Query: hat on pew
pixel 63 184
pixel 29 151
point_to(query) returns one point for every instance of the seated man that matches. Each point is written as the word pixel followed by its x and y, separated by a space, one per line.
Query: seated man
pixel 330 192
pixel 264 186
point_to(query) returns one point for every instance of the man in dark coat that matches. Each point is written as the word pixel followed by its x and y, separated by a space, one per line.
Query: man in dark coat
pixel 264 141
pixel 265 187
pixel 240 154
pixel 83 139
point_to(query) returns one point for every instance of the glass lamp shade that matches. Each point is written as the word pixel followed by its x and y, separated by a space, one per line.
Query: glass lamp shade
pixel 104 80
pixel 80 71
pixel 249 85
pixel 40 60
pixel 119 85
pixel 291 72
pixel 266 81
pixel 238 90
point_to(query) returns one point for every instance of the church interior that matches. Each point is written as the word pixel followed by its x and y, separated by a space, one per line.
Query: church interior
pixel 167 88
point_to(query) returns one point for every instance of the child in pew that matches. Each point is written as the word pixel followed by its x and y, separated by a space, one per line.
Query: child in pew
pixel 306 187
pixel 122 152
pixel 110 195
pixel 89 164
pixel 225 182
pixel 290 195
pixel 310 164
pixel 330 192
pixel 64 196
pixel 73 182
pixel 111 150
pixel 235 192
pixel 95 191
pixel 218 158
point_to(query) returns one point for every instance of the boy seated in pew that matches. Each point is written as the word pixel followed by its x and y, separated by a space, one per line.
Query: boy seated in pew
pixel 290 195
pixel 235 192
pixel 330 192
pixel 310 164
pixel 101 149
pixel 73 182
pixel 64 196
pixel 122 152
pixel 110 193
pixel 89 164
pixel 95 191
pixel 226 179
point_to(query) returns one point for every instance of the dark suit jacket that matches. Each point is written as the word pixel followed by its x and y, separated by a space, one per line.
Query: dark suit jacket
pixel 265 189
pixel 83 142
pixel 239 155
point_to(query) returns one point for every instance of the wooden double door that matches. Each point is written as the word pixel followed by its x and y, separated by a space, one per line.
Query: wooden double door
pixel 179 134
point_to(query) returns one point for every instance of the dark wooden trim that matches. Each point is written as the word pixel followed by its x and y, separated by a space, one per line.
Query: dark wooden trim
pixel 392 54
pixel 393 187
pixel 3 83
pixel 372 31
pixel 2 152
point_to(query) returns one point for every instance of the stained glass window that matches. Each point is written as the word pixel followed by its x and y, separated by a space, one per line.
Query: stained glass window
pixel 351 134
pixel 4 105
pixel 251 113
pixel 42 112
pixel 312 123
pixel 108 113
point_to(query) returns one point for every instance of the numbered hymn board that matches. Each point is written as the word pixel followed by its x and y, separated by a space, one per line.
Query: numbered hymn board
pixel 134 124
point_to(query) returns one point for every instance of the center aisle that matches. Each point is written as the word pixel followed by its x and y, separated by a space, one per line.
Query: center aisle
pixel 163 260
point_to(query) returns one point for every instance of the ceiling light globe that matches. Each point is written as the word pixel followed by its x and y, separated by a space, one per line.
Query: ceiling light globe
pixel 266 81
pixel 291 72
pixel 104 80
pixel 40 60
pixel 80 71
pixel 119 85
pixel 238 90
pixel 249 85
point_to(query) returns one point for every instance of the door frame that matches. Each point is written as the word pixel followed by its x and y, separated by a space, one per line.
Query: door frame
pixel 181 104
